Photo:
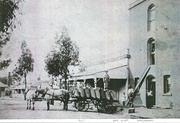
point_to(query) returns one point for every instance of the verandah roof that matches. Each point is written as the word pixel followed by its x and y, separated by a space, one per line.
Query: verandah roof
pixel 3 85
pixel 115 72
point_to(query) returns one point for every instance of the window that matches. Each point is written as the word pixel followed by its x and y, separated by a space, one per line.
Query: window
pixel 151 51
pixel 151 17
pixel 167 84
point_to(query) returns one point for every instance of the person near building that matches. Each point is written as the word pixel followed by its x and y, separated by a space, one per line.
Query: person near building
pixel 130 96
pixel 150 99
pixel 106 80
pixel 124 99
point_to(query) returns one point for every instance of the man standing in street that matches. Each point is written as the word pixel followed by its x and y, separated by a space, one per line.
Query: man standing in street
pixel 124 99
pixel 130 96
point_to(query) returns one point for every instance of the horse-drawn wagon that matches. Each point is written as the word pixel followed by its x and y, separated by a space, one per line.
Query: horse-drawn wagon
pixel 104 100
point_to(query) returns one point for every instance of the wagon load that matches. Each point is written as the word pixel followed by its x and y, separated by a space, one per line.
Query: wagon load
pixel 76 93
pixel 108 96
pixel 104 100
pixel 113 95
pixel 102 94
pixel 82 92
pixel 97 92
pixel 87 92
pixel 93 94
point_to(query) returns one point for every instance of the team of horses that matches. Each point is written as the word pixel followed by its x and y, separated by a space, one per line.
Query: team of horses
pixel 104 101
pixel 47 94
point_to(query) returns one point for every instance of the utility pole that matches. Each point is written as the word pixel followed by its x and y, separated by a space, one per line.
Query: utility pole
pixel 25 82
pixel 9 79
pixel 128 71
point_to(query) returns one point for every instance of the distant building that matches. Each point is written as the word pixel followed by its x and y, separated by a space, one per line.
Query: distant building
pixel 155 42
pixel 2 89
pixel 19 89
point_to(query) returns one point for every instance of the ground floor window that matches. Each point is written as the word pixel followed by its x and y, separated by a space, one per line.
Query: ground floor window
pixel 167 84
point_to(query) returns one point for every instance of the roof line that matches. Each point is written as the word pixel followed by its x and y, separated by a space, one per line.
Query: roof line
pixel 101 71
pixel 135 3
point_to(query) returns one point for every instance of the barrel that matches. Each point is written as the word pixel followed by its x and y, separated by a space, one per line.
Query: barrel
pixel 93 94
pixel 87 93
pixel 97 92
pixel 113 95
pixel 82 92
pixel 102 94
pixel 76 93
pixel 108 96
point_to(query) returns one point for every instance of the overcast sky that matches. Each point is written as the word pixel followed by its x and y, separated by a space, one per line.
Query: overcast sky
pixel 99 28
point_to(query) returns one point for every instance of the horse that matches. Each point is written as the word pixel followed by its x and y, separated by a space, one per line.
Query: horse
pixel 57 94
pixel 30 94
pixel 33 95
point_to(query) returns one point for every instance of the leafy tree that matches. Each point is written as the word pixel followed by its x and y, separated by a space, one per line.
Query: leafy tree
pixel 65 54
pixel 4 63
pixel 25 64
pixel 7 15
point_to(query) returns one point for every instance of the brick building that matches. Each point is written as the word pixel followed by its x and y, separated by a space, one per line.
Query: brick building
pixel 155 44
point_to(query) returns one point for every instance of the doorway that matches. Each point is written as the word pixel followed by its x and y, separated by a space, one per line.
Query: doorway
pixel 150 91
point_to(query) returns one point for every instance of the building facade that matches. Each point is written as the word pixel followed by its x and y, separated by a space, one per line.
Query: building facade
pixel 2 89
pixel 155 42
pixel 95 77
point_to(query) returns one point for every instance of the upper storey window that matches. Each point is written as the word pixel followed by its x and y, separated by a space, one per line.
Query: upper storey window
pixel 151 51
pixel 151 17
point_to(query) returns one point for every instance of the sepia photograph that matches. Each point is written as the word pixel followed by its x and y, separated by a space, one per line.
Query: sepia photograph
pixel 89 59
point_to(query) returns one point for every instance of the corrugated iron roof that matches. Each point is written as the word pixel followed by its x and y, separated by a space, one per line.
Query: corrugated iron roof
pixel 116 70
pixel 3 85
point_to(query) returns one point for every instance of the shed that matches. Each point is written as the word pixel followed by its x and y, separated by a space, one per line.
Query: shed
pixel 2 89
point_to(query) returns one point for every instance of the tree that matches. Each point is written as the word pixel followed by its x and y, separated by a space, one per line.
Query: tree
pixel 7 15
pixel 25 63
pixel 65 54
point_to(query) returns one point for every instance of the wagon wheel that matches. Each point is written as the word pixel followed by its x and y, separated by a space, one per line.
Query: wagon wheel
pixel 79 105
pixel 110 109
pixel 86 105
pixel 101 106
pixel 95 102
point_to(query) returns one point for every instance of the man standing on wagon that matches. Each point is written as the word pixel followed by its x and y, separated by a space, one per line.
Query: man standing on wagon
pixel 106 80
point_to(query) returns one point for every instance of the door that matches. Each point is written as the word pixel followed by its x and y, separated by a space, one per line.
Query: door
pixel 150 91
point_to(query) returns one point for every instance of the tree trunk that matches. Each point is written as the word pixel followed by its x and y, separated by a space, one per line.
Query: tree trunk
pixel 65 83
pixel 60 83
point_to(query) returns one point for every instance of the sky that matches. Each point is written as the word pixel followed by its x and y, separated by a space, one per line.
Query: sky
pixel 98 27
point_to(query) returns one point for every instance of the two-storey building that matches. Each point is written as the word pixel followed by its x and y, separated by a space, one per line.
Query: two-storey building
pixel 155 42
